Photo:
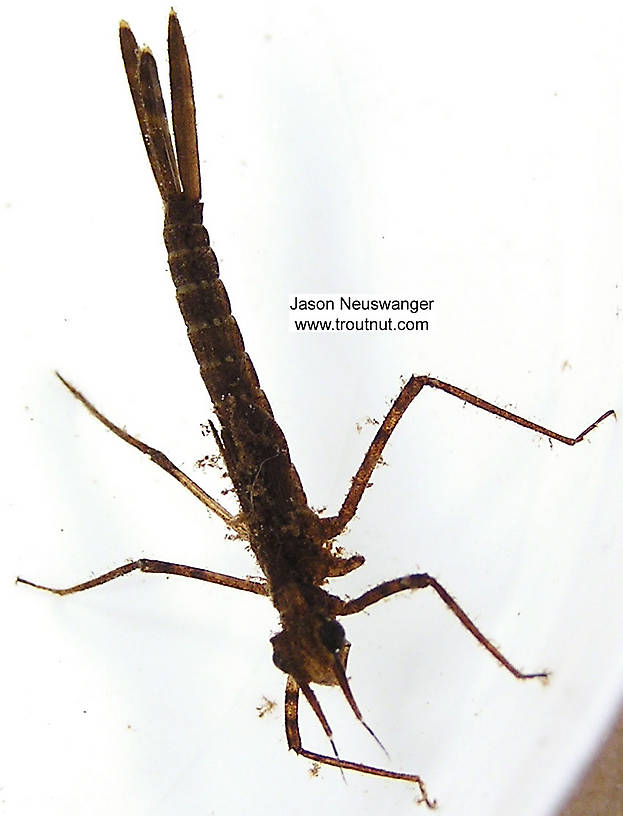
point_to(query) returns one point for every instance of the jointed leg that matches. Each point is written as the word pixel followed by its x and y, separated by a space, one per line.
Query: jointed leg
pixel 336 524
pixel 164 462
pixel 419 582
pixel 151 565
pixel 294 743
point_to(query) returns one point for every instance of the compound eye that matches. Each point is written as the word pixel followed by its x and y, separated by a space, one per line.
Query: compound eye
pixel 280 653
pixel 332 635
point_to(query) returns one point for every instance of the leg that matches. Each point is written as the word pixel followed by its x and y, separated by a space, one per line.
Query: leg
pixel 164 462
pixel 294 743
pixel 150 565
pixel 419 582
pixel 335 524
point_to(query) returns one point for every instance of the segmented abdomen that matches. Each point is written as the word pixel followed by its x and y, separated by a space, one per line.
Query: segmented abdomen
pixel 256 451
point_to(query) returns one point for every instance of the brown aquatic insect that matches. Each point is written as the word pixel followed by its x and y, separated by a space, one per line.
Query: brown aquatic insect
pixel 293 545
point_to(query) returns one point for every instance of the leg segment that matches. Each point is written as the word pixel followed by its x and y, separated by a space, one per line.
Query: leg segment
pixel 335 524
pixel 164 462
pixel 151 565
pixel 421 581
pixel 294 743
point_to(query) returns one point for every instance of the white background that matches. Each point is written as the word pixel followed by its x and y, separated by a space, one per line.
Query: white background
pixel 465 153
